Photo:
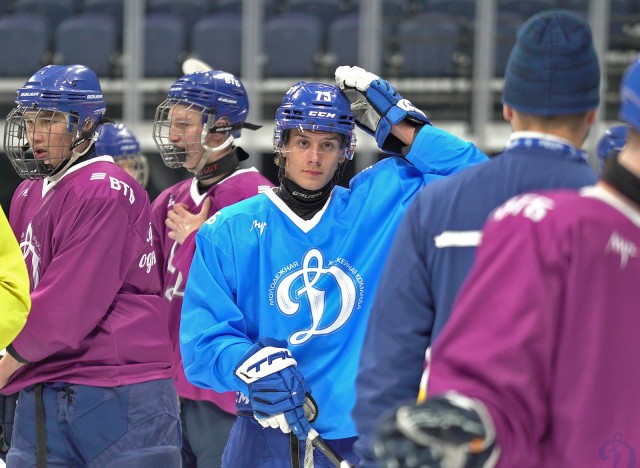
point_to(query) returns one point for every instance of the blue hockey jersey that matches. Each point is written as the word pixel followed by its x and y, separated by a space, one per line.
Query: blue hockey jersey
pixel 430 258
pixel 261 271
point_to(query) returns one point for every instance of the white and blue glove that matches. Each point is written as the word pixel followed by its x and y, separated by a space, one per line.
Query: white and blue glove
pixel 279 396
pixel 384 106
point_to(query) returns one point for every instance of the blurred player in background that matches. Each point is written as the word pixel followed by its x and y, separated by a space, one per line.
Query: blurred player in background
pixel 121 144
pixel 437 239
pixel 537 366
pixel 611 143
pixel 93 363
pixel 196 128
pixel 281 284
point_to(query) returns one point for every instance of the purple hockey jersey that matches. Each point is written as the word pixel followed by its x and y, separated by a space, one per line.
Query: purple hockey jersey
pixel 175 259
pixel 545 331
pixel 96 317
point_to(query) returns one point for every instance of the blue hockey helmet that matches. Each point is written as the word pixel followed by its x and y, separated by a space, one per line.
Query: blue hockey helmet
pixel 630 95
pixel 215 94
pixel 218 93
pixel 73 89
pixel 117 141
pixel 611 143
pixel 315 107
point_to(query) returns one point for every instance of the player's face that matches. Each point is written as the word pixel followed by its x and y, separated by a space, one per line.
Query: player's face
pixel 48 136
pixel 311 158
pixel 185 132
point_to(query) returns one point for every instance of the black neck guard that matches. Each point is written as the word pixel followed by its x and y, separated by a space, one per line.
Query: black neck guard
pixel 623 180
pixel 304 203
pixel 226 165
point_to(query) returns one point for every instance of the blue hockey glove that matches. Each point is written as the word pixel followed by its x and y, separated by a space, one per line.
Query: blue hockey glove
pixel 451 430
pixel 279 396
pixel 384 106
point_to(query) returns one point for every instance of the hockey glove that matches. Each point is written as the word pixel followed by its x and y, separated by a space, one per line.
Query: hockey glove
pixel 451 430
pixel 384 106
pixel 279 395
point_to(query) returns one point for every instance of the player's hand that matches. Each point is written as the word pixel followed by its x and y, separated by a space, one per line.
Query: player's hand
pixel 279 396
pixel 447 431
pixel 181 222
pixel 8 366
pixel 382 109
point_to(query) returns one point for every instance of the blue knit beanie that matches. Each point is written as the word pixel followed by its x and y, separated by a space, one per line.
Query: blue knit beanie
pixel 553 68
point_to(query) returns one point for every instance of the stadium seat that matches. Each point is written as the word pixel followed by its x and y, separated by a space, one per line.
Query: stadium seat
pixel 25 40
pixel 235 7
pixel 89 39
pixel 113 8
pixel 292 44
pixel 508 24
pixel 170 32
pixel 189 10
pixel 53 11
pixel 525 8
pixel 325 10
pixel 427 44
pixel 461 10
pixel 217 40
pixel 342 40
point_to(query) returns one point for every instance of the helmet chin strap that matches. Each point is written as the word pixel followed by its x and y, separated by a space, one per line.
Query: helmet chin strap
pixel 75 155
pixel 207 152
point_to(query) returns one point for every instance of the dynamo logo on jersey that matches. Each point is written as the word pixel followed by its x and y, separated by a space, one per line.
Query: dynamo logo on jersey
pixel 329 293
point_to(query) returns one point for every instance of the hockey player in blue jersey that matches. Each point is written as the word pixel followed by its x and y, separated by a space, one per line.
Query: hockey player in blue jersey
pixel 436 241
pixel 281 284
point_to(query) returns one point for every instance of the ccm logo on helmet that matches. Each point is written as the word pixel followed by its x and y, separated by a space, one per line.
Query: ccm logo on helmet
pixel 322 114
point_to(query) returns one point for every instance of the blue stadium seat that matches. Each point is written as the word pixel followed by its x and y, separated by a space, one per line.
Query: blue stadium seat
pixel 169 32
pixel 217 40
pixel 525 8
pixel 235 7
pixel 53 11
pixel 89 39
pixel 342 39
pixel 292 43
pixel 325 10
pixel 427 44
pixel 25 40
pixel 189 10
pixel 506 31
pixel 461 10
pixel 113 8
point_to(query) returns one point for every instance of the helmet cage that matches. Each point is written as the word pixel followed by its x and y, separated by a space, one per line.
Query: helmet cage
pixel 172 155
pixel 18 147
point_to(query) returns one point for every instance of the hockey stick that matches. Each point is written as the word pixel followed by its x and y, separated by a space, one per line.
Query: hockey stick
pixel 191 65
pixel 326 450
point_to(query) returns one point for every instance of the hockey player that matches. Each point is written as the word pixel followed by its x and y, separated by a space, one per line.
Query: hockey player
pixel 14 285
pixel 121 144
pixel 436 242
pixel 611 143
pixel 281 284
pixel 14 308
pixel 196 127
pixel 93 362
pixel 537 365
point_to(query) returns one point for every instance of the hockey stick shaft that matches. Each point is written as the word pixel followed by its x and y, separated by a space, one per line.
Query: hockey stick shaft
pixel 326 450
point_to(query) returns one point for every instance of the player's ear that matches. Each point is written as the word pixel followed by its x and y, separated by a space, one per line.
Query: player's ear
pixel 87 124
pixel 507 112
